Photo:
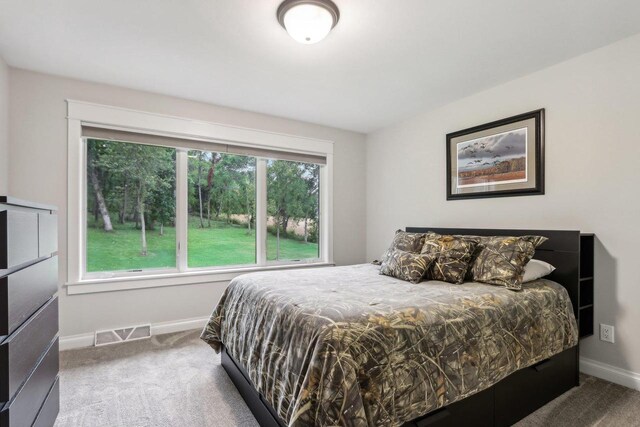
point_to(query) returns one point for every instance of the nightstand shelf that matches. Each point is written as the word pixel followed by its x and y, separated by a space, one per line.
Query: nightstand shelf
pixel 585 315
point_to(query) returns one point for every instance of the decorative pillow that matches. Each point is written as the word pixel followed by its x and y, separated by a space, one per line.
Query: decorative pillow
pixel 406 265
pixel 536 240
pixel 536 269
pixel 452 256
pixel 403 241
pixel 502 259
pixel 409 242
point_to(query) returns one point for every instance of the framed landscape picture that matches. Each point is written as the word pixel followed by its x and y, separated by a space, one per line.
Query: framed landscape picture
pixel 497 159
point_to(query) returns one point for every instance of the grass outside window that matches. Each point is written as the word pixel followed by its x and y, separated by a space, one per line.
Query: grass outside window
pixel 119 250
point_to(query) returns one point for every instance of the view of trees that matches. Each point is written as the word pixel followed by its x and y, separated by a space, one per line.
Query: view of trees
pixel 293 194
pixel 133 180
pixel 222 185
pixel 131 191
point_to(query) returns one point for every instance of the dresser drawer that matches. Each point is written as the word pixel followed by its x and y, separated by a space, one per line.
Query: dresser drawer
pixel 18 236
pixel 47 234
pixel 22 349
pixel 476 410
pixel 528 389
pixel 23 409
pixel 24 291
pixel 50 408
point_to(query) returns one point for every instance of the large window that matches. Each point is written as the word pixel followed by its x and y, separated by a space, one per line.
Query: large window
pixel 155 208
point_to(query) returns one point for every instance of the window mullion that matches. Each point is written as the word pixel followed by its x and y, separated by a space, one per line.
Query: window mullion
pixel 182 217
pixel 261 211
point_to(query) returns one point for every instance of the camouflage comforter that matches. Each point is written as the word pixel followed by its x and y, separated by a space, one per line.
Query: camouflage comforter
pixel 347 346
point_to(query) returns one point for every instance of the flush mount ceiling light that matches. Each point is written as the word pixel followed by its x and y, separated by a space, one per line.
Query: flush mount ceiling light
pixel 308 21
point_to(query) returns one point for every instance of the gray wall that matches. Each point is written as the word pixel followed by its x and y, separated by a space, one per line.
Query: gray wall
pixel 4 127
pixel 38 171
pixel 592 154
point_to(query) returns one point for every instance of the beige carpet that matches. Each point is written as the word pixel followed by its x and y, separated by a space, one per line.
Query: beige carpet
pixel 176 380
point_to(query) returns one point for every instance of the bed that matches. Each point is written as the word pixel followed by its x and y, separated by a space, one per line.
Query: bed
pixel 348 346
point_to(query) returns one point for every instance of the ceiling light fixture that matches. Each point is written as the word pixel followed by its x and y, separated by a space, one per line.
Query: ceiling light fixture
pixel 308 21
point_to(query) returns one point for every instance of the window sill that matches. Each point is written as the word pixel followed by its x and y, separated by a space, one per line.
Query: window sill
pixel 91 286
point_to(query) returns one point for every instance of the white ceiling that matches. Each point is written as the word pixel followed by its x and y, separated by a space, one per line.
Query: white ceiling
pixel 384 60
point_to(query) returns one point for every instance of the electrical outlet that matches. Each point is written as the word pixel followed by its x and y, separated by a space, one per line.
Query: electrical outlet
pixel 607 333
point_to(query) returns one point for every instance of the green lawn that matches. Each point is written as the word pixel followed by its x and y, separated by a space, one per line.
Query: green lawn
pixel 223 244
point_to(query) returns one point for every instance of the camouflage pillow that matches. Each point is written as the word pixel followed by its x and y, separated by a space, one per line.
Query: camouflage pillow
pixel 406 265
pixel 403 241
pixel 452 256
pixel 501 260
pixel 409 242
pixel 536 240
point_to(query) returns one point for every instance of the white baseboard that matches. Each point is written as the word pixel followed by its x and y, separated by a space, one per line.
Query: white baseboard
pixel 178 325
pixel 87 340
pixel 610 373
pixel 77 341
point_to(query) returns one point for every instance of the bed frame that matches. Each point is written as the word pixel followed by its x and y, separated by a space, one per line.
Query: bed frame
pixel 507 401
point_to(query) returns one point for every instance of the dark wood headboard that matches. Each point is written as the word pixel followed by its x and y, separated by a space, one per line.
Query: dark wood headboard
pixel 562 250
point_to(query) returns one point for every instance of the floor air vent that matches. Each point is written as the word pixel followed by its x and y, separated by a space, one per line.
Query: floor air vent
pixel 121 335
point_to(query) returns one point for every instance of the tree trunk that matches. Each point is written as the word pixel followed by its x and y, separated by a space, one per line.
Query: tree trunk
pixel 248 215
pixel 162 228
pixel 136 210
pixel 306 233
pixel 285 224
pixel 123 212
pixel 102 206
pixel 143 228
pixel 210 176
pixel 200 188
pixel 277 240
pixel 200 200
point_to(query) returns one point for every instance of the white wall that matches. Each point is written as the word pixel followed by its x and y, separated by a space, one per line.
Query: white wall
pixel 4 127
pixel 38 171
pixel 592 180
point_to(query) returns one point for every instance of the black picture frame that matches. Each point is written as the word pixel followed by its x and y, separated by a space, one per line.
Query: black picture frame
pixel 527 188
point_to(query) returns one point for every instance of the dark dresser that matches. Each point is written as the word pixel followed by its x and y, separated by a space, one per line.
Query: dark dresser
pixel 29 390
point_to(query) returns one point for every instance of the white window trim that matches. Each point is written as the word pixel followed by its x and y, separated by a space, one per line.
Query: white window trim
pixel 81 113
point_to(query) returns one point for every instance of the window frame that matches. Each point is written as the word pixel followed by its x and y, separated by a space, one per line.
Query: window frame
pixel 89 114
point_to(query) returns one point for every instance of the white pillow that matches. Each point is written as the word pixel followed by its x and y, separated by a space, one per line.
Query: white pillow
pixel 536 269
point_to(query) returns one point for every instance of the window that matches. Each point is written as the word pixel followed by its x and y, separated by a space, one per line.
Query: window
pixel 130 219
pixel 156 200
pixel 222 209
pixel 293 203
pixel 132 208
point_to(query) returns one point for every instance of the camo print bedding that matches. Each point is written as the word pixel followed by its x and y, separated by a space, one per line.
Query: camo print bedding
pixel 347 346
